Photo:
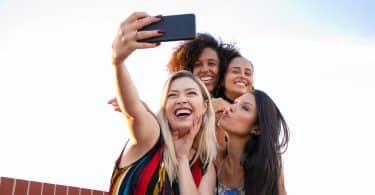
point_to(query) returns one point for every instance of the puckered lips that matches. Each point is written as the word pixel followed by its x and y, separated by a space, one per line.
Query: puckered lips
pixel 224 115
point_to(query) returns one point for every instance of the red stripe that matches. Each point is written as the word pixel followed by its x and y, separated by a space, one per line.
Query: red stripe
pixel 197 172
pixel 147 173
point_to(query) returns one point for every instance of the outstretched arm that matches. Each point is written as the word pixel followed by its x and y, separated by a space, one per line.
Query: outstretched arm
pixel 143 127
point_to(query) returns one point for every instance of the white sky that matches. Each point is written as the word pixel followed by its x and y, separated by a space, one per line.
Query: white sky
pixel 316 60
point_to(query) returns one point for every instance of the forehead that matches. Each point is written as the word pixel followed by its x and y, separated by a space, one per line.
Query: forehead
pixel 240 62
pixel 209 53
pixel 183 83
pixel 247 97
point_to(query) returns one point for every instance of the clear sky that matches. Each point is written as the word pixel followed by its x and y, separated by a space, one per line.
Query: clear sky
pixel 314 58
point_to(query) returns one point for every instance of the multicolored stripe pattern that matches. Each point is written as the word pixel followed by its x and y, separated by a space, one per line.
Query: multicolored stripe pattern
pixel 148 176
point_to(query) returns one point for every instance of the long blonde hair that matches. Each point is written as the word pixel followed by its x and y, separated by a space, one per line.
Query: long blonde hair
pixel 205 140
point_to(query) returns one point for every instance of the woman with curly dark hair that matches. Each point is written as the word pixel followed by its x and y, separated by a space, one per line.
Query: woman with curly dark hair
pixel 205 56
pixel 201 56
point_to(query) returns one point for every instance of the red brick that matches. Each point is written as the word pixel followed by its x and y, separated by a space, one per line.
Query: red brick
pixel 97 192
pixel 21 187
pixel 60 190
pixel 6 186
pixel 85 191
pixel 48 189
pixel 35 188
pixel 73 191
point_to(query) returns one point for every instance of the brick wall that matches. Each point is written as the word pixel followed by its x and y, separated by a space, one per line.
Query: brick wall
pixel 12 186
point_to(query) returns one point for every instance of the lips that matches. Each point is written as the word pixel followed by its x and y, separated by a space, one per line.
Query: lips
pixel 206 78
pixel 241 83
pixel 224 115
pixel 182 112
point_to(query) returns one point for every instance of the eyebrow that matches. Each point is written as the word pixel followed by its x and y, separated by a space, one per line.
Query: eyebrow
pixel 248 103
pixel 187 89
pixel 236 67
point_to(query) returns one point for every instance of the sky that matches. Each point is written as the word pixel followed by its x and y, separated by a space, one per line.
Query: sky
pixel 314 58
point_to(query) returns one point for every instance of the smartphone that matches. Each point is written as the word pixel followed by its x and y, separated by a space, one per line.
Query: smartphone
pixel 175 27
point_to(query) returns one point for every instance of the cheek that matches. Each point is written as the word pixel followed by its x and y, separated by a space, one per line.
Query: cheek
pixel 168 108
pixel 228 80
pixel 199 105
pixel 196 70
pixel 215 69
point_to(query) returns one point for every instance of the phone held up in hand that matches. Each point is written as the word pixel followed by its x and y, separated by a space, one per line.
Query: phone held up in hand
pixel 175 27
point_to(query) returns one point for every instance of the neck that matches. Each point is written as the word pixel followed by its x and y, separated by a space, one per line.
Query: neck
pixel 235 147
pixel 231 173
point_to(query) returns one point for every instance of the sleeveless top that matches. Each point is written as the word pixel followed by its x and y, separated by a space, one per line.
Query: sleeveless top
pixel 148 176
pixel 222 190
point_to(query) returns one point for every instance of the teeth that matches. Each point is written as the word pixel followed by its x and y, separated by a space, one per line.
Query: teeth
pixel 183 111
pixel 241 84
pixel 206 78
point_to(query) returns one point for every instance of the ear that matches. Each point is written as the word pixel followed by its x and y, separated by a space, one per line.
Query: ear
pixel 256 130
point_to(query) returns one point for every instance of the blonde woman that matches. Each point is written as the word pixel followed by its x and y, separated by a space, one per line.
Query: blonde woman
pixel 173 152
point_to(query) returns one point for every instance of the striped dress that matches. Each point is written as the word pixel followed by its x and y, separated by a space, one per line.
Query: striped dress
pixel 147 175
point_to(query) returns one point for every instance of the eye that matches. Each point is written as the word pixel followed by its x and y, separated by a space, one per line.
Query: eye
pixel 171 95
pixel 197 64
pixel 212 64
pixel 191 93
pixel 248 74
pixel 234 71
pixel 245 107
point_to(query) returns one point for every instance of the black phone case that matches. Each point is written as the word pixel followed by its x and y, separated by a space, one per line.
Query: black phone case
pixel 175 27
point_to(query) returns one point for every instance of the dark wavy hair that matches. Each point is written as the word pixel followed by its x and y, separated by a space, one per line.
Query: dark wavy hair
pixel 227 53
pixel 187 53
pixel 262 161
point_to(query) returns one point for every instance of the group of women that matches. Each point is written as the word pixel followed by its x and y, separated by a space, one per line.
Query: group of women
pixel 214 132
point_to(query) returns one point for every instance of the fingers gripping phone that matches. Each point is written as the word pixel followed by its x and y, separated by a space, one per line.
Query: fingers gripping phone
pixel 175 27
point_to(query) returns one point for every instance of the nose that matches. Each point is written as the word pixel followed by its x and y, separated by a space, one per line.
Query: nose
pixel 205 68
pixel 230 108
pixel 181 100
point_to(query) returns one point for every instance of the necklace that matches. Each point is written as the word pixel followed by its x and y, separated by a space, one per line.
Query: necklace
pixel 235 188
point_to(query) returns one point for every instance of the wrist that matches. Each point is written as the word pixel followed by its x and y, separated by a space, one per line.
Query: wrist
pixel 183 159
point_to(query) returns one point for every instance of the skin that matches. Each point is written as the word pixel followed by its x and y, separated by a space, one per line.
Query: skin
pixel 238 121
pixel 184 96
pixel 143 128
pixel 206 68
pixel 238 78
pixel 203 66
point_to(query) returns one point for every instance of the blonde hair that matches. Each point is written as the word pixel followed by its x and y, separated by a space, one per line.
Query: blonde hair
pixel 205 140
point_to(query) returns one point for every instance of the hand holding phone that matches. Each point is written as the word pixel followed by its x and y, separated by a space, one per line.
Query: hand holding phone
pixel 174 28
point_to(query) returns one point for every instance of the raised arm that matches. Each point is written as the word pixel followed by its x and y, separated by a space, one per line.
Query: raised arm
pixel 143 127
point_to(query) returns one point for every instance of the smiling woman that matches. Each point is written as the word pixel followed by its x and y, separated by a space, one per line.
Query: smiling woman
pixel 170 153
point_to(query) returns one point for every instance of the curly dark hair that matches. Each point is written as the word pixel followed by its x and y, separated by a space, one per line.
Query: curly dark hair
pixel 188 52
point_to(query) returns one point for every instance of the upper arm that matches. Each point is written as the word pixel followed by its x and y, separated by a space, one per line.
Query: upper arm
pixel 144 129
pixel 281 186
pixel 207 185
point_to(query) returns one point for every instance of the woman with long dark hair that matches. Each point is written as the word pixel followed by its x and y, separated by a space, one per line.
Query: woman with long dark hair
pixel 257 136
